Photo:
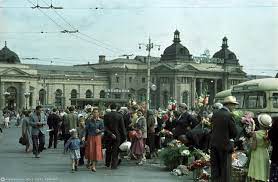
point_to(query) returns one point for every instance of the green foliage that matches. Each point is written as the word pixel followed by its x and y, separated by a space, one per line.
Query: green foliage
pixel 172 155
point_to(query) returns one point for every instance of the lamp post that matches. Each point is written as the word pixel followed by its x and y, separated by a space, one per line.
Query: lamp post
pixel 26 94
pixel 148 46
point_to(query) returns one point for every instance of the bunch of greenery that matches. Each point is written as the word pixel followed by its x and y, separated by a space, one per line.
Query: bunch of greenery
pixel 174 154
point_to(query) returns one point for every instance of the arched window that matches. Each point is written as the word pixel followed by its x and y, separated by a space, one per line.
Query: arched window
pixel 88 94
pixel 73 96
pixel 102 94
pixel 42 97
pixel 165 98
pixel 11 97
pixel 58 98
pixel 185 97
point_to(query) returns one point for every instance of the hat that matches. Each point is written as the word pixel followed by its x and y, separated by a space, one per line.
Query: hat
pixel 183 105
pixel 230 100
pixel 265 120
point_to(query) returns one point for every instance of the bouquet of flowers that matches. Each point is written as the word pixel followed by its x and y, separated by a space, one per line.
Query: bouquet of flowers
pixel 197 164
pixel 173 155
pixel 248 122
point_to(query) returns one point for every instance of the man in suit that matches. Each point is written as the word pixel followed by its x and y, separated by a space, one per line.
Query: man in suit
pixel 221 144
pixel 38 121
pixel 115 134
pixel 185 122
pixel 53 122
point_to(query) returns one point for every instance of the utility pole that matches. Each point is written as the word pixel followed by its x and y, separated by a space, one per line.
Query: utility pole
pixel 148 46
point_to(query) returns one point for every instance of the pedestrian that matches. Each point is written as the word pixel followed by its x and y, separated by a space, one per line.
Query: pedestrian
pixel 26 130
pixel 115 134
pixel 38 122
pixel 73 145
pixel 53 122
pixel 93 148
pixel 259 160
pixel 81 133
pixel 69 122
pixel 138 146
pixel 273 137
pixel 7 119
pixel 221 144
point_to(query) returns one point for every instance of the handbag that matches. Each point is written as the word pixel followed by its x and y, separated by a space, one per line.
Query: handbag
pixel 22 140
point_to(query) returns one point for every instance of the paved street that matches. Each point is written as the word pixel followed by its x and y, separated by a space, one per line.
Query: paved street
pixel 16 165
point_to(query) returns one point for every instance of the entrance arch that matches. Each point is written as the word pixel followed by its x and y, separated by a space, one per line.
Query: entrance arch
pixel 11 98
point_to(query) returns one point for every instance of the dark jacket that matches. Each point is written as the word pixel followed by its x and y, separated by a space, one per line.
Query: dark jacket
pixel 273 137
pixel 53 121
pixel 223 129
pixel 114 124
pixel 184 123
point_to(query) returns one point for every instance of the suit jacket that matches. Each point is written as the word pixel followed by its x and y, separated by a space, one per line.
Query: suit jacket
pixel 53 121
pixel 223 129
pixel 70 122
pixel 38 123
pixel 114 124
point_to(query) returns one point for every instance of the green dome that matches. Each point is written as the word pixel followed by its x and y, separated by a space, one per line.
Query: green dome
pixel 8 57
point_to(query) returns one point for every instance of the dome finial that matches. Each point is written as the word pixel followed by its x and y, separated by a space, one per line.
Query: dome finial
pixel 225 43
pixel 176 36
pixel 5 43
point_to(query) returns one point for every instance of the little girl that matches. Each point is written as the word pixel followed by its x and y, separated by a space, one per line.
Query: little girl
pixel 73 144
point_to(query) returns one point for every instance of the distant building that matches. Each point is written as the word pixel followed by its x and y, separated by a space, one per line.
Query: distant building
pixel 175 74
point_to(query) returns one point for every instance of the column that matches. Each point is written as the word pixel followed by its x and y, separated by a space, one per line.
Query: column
pixel 201 86
pixel 215 86
pixel 193 91
pixel 2 97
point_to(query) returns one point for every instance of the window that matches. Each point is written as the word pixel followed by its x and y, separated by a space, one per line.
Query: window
pixel 58 98
pixel 143 80
pixel 102 94
pixel 73 96
pixel 275 100
pixel 88 94
pixel 130 79
pixel 185 97
pixel 42 96
pixel 164 79
pixel 117 79
pixel 255 100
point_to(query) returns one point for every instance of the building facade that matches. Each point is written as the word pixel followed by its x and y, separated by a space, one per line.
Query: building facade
pixel 175 74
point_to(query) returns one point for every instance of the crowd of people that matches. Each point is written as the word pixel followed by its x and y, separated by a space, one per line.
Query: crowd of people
pixel 87 132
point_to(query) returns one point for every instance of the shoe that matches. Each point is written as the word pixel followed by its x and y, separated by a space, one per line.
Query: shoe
pixel 72 170
pixel 93 169
pixel 75 168
pixel 37 156
pixel 140 163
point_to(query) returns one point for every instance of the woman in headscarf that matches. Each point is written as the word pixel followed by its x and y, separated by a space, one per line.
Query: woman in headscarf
pixel 26 130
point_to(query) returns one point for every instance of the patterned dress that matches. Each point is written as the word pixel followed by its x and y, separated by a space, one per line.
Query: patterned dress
pixel 259 162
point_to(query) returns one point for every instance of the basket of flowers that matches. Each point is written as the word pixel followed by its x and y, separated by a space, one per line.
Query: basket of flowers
pixel 174 154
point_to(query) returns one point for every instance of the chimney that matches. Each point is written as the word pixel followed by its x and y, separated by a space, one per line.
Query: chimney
pixel 101 59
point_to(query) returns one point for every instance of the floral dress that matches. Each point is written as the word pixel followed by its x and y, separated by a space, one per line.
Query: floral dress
pixel 259 162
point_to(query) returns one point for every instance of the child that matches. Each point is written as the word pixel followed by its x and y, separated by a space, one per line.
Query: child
pixel 73 144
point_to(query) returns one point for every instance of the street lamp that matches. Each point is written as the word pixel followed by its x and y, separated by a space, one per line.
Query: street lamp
pixel 26 94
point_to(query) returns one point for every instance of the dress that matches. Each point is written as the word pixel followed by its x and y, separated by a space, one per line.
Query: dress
pixel 259 162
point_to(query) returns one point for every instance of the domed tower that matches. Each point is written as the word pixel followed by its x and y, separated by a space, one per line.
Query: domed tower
pixel 7 56
pixel 228 56
pixel 176 51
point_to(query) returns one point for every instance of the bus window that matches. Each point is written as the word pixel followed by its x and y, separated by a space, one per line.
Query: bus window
pixel 255 100
pixel 240 100
pixel 275 100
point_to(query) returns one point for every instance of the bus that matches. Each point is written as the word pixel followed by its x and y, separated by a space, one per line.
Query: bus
pixel 258 96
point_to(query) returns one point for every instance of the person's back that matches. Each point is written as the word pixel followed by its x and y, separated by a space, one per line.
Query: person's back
pixel 222 128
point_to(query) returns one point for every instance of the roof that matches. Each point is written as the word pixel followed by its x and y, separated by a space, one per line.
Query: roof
pixel 225 53
pixel 176 50
pixel 257 84
pixel 56 69
pixel 8 56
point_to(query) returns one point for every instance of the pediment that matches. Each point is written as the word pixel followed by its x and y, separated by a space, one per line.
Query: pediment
pixel 188 67
pixel 163 67
pixel 14 72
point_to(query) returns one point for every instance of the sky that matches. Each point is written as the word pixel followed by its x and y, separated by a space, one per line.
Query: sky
pixel 115 27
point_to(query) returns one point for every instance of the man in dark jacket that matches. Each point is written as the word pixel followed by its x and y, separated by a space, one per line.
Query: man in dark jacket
pixel 115 134
pixel 53 122
pixel 185 121
pixel 221 146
